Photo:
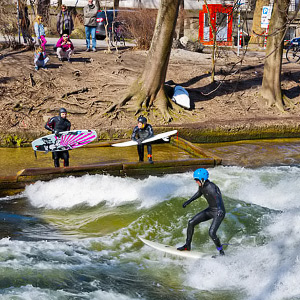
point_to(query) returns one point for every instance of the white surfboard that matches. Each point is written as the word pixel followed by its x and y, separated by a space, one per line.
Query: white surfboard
pixel 181 97
pixel 164 136
pixel 174 251
pixel 66 140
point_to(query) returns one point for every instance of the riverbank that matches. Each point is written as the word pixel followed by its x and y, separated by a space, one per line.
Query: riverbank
pixel 227 110
pixel 193 132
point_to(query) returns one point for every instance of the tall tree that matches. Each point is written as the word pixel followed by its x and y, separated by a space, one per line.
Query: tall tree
pixel 148 89
pixel 116 4
pixel 257 36
pixel 43 9
pixel 271 85
pixel 181 19
pixel 213 29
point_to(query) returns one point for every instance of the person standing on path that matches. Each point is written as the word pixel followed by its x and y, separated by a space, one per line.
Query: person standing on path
pixel 90 23
pixel 64 22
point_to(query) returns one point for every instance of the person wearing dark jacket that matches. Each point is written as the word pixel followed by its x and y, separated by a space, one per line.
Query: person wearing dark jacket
pixel 24 24
pixel 215 210
pixel 64 23
pixel 140 133
pixel 56 125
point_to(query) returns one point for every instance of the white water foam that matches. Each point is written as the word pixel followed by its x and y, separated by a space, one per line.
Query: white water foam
pixel 65 193
pixel 30 292
pixel 270 271
pixel 271 187
pixel 275 188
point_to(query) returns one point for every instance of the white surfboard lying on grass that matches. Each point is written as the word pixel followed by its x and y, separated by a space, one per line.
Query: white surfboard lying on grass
pixel 174 251
pixel 181 97
pixel 164 136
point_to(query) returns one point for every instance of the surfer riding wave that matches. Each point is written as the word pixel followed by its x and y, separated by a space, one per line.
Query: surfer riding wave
pixel 215 210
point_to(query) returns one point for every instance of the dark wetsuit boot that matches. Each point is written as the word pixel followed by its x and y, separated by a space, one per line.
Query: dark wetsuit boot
pixel 149 149
pixel 219 246
pixel 55 157
pixel 150 158
pixel 140 149
pixel 65 157
pixel 185 247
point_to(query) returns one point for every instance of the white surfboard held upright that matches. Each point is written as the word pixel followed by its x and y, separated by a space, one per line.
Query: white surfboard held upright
pixel 163 136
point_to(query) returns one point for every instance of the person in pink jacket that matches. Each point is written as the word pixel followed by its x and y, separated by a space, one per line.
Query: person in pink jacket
pixel 64 47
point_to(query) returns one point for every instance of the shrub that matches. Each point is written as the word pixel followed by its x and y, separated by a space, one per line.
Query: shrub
pixel 79 31
pixel 139 25
pixel 8 23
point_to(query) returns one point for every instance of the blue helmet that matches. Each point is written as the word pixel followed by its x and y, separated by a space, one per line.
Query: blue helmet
pixel 201 174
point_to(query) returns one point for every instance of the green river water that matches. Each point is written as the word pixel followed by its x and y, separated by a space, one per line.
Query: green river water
pixel 77 238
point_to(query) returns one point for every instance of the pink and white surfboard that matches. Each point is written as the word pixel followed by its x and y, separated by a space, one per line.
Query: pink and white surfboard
pixel 66 140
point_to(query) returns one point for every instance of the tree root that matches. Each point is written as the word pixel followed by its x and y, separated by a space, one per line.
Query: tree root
pixel 137 100
pixel 287 101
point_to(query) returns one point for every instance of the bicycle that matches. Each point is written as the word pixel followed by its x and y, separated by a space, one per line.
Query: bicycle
pixel 116 34
pixel 293 52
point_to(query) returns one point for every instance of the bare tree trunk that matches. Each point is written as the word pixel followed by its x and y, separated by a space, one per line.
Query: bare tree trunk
pixel 43 8
pixel 149 87
pixel 181 19
pixel 214 48
pixel 32 8
pixel 271 85
pixel 116 4
pixel 257 35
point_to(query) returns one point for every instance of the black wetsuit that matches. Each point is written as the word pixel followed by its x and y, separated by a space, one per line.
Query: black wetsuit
pixel 215 211
pixel 58 124
pixel 139 135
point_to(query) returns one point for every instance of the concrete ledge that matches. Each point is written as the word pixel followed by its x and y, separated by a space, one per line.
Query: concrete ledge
pixel 201 158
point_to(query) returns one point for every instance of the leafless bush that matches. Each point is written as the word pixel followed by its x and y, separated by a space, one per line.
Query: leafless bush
pixel 79 31
pixel 139 25
pixel 8 23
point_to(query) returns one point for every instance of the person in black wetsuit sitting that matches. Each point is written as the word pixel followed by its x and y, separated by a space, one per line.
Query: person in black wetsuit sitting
pixel 215 210
pixel 141 132
pixel 56 125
